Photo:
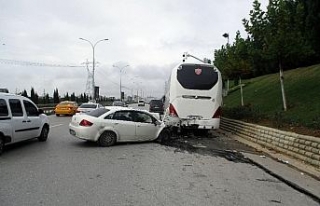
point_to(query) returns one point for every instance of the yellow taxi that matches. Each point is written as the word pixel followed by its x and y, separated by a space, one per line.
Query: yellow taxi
pixel 66 108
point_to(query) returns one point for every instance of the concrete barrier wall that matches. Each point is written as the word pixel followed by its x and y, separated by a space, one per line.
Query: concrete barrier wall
pixel 303 147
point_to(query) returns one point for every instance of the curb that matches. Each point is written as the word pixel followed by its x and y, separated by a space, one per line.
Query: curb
pixel 302 147
pixel 283 158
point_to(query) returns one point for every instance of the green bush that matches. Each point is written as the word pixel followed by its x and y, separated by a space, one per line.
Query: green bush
pixel 247 113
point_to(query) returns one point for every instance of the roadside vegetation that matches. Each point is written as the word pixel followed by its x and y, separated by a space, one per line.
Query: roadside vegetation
pixel 281 38
pixel 46 101
pixel 263 101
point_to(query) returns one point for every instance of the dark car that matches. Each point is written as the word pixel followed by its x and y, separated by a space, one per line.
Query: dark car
pixel 156 106
pixel 4 90
pixel 119 103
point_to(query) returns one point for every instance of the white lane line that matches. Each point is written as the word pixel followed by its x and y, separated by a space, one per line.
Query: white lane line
pixel 57 125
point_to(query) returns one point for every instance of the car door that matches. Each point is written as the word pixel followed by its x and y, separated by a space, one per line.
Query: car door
pixel 33 119
pixel 19 121
pixel 123 123
pixel 145 126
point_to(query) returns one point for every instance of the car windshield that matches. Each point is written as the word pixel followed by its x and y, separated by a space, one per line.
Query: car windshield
pixel 88 106
pixel 98 112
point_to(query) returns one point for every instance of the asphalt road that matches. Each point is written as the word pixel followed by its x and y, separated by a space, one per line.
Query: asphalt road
pixel 68 171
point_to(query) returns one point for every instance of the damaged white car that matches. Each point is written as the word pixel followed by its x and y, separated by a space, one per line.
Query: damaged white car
pixel 109 125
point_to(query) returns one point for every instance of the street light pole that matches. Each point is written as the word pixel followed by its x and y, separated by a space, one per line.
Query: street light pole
pixel 226 35
pixel 120 69
pixel 93 63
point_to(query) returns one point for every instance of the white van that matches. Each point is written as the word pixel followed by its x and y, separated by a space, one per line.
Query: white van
pixel 20 119
pixel 193 97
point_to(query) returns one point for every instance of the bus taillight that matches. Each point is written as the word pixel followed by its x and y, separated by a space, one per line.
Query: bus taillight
pixel 218 113
pixel 172 111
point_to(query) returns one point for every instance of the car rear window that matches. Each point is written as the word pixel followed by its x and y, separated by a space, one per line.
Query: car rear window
pixel 199 77
pixel 67 104
pixel 118 103
pixel 156 102
pixel 98 112
pixel 88 106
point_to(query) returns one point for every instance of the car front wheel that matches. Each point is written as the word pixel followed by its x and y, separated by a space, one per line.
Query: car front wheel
pixel 107 139
pixel 44 134
pixel 164 136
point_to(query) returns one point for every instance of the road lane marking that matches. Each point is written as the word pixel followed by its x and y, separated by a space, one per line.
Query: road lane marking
pixel 57 125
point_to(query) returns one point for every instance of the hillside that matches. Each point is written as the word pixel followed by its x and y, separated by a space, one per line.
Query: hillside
pixel 262 97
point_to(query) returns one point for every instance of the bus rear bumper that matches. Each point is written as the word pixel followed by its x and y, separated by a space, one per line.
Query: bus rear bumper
pixel 200 123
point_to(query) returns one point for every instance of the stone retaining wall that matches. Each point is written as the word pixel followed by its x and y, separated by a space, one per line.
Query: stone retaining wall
pixel 303 147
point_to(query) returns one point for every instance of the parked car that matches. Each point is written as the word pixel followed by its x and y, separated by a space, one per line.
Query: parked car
pixel 119 103
pixel 20 119
pixel 4 90
pixel 66 108
pixel 88 107
pixel 109 125
pixel 156 106
pixel 141 103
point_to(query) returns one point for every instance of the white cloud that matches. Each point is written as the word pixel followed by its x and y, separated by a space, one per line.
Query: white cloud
pixel 149 35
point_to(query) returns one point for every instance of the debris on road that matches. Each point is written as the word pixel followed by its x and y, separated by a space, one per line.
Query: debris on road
pixel 283 161
pixel 219 147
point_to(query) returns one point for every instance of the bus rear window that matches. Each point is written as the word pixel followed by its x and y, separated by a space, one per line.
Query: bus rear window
pixel 198 77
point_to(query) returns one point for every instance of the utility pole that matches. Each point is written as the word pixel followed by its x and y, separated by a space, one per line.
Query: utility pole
pixel 241 92
pixel 89 83
pixel 284 100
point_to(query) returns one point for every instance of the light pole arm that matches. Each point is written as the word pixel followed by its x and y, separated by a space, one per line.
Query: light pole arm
pixel 93 62
pixel 99 41
pixel 87 41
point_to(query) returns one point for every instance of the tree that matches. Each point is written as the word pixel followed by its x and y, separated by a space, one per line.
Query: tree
pixel 66 97
pixel 85 97
pixel 234 61
pixel 46 98
pixel 56 98
pixel 312 27
pixel 81 98
pixel 286 44
pixel 34 96
pixel 255 27
pixel 73 97
pixel 24 93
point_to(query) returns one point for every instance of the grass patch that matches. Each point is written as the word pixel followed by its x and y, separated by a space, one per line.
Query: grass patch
pixel 263 94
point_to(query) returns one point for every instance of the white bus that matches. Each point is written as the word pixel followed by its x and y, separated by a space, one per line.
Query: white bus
pixel 193 97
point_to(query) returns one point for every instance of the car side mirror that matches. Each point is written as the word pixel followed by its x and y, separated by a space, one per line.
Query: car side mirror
pixel 157 123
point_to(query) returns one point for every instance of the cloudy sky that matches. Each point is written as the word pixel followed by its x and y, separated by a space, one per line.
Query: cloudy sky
pixel 148 35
